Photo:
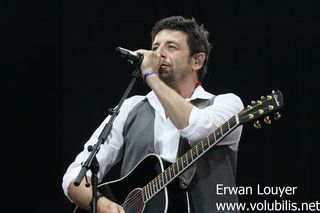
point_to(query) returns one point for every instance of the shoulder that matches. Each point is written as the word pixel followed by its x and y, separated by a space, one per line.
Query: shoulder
pixel 229 98
pixel 131 102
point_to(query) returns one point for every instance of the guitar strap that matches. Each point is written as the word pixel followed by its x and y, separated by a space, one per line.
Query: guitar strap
pixel 186 177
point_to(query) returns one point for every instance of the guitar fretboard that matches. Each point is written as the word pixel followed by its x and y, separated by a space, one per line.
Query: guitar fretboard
pixel 186 160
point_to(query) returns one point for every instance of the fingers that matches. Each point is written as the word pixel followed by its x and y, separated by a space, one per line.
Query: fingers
pixel 151 60
pixel 121 210
pixel 107 206
pixel 141 51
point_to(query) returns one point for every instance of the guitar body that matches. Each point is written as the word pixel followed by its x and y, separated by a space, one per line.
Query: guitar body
pixel 127 190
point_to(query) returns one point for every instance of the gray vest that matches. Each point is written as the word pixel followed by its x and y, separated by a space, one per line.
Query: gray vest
pixel 217 166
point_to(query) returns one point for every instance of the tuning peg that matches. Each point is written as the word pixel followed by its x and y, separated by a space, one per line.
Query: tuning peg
pixel 273 92
pixel 269 97
pixel 253 102
pixel 270 107
pixel 262 97
pixel 267 120
pixel 277 116
pixel 257 125
pixel 249 107
pixel 259 102
pixel 251 116
pixel 261 111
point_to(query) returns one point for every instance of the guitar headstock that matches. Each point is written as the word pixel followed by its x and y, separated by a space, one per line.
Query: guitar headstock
pixel 262 108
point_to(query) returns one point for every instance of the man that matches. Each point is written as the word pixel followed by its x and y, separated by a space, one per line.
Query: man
pixel 173 70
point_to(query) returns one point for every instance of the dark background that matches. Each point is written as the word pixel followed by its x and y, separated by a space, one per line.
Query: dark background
pixel 60 74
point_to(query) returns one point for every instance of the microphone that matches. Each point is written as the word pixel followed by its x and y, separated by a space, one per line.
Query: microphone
pixel 129 55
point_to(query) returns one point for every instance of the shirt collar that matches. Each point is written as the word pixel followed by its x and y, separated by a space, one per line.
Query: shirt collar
pixel 200 93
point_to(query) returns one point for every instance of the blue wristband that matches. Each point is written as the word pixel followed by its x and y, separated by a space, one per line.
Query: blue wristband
pixel 147 74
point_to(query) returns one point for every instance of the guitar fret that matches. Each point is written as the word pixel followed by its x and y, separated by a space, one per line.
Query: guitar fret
pixel 161 180
pixel 206 143
pixel 154 187
pixel 184 161
pixel 149 190
pixel 176 168
pixel 211 138
pixel 170 172
pixel 218 133
pixel 179 164
pixel 233 121
pixel 166 175
pixel 144 193
pixel 194 153
pixel 158 183
pixel 197 148
pixel 214 135
pixel 202 146
pixel 225 128
pixel 189 156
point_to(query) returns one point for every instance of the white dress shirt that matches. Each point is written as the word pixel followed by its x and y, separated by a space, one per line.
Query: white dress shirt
pixel 201 123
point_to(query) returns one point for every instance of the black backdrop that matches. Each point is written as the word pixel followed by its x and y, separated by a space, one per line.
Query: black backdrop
pixel 60 74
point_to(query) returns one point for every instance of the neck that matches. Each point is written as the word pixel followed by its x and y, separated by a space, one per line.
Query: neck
pixel 185 89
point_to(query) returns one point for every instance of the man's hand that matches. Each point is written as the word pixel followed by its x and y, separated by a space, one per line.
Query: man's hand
pixel 105 205
pixel 151 61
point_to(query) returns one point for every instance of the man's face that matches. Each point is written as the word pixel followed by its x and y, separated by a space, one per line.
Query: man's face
pixel 173 47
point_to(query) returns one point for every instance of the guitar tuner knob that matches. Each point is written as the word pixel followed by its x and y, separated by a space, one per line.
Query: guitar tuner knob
pixel 270 107
pixel 267 120
pixel 273 92
pixel 251 116
pixel 249 107
pixel 253 102
pixel 257 125
pixel 261 112
pixel 262 97
pixel 259 102
pixel 269 97
pixel 277 116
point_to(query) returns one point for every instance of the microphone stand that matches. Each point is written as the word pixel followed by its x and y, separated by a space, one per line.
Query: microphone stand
pixel 92 162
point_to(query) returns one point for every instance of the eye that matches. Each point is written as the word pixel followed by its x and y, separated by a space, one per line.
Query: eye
pixel 154 48
pixel 172 47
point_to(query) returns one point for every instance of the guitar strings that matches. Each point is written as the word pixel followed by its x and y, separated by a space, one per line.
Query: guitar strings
pixel 132 201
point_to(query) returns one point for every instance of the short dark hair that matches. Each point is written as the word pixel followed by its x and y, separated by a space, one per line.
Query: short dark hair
pixel 197 36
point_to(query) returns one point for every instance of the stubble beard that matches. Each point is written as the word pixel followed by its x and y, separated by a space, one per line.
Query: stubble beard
pixel 173 79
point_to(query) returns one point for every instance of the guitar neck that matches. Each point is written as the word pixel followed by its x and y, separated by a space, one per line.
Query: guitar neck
pixel 190 157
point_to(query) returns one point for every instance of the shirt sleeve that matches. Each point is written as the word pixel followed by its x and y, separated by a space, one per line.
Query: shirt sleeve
pixel 202 122
pixel 110 152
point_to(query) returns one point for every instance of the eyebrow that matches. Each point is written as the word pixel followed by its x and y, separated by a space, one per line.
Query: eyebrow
pixel 167 42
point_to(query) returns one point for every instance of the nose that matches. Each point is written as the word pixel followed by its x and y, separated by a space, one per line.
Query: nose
pixel 162 51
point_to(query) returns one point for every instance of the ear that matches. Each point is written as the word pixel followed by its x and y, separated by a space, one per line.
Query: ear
pixel 198 60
